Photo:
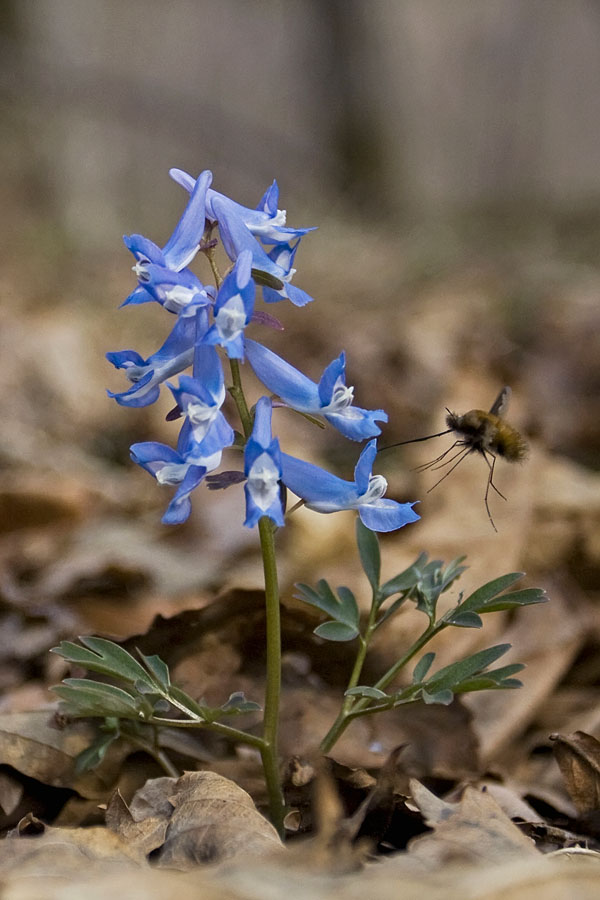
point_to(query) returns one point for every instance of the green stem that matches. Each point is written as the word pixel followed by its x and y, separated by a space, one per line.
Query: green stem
pixel 336 729
pixel 237 392
pixel 269 751
pixel 269 741
pixel 226 731
pixel 356 707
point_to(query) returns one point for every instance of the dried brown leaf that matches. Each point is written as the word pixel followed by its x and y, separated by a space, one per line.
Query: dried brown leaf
pixel 578 757
pixel 474 830
pixel 32 743
pixel 146 835
pixel 207 817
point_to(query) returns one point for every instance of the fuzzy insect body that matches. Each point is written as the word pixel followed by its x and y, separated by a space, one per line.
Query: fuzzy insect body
pixel 478 431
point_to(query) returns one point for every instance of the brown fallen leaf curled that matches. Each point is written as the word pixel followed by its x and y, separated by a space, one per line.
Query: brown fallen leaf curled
pixel 33 744
pixel 578 758
pixel 473 830
pixel 206 818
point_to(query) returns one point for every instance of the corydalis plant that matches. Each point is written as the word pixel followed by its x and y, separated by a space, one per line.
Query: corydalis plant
pixel 208 326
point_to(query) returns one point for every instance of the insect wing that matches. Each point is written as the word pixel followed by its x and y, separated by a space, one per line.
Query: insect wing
pixel 500 404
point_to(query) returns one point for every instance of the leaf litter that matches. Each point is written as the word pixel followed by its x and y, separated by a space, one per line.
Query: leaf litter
pixel 80 552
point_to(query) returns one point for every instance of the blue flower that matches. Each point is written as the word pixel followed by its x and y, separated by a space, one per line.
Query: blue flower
pixel 266 222
pixel 158 270
pixel 176 354
pixel 233 308
pixel 178 292
pixel 331 397
pixel 170 467
pixel 326 493
pixel 262 467
pixel 208 428
pixel 272 270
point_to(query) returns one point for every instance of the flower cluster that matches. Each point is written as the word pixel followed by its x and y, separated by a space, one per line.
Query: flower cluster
pixel 261 249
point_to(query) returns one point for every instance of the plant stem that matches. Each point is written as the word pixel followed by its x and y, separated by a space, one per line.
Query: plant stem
pixel 237 392
pixel 269 741
pixel 226 731
pixel 269 750
pixel 355 706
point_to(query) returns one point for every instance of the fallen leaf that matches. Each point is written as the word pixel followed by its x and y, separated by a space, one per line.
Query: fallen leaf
pixel 208 818
pixel 578 757
pixel 146 834
pixel 32 743
pixel 474 830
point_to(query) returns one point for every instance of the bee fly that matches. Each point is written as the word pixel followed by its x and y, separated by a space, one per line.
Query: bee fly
pixel 481 431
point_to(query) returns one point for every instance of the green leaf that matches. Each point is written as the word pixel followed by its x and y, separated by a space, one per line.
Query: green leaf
pixel 444 697
pixel 493 680
pixel 105 657
pixel 93 755
pixel 483 595
pixel 457 672
pixel 350 614
pixel 94 698
pixel 195 709
pixel 336 631
pixel 526 597
pixel 370 557
pixel 238 704
pixel 322 597
pixel 423 667
pixel 463 619
pixel 452 571
pixel 343 609
pixel 405 580
pixel 372 693
pixel 158 668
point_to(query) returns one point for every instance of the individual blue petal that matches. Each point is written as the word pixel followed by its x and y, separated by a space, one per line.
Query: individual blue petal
pixel 139 295
pixel 269 200
pixel 333 377
pixel 144 250
pixel 290 292
pixel 208 369
pixel 155 457
pixel 126 359
pixel 357 424
pixel 184 243
pixel 281 378
pixel 143 393
pixel 261 429
pixel 180 506
pixel 262 467
pixel 364 467
pixel 176 291
pixel 321 490
pixel 387 515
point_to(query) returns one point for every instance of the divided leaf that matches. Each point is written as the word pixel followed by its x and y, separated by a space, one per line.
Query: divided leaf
pixel 106 658
pixel 85 697
pixel 342 608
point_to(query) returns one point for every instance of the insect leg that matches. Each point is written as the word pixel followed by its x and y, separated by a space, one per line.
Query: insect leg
pixel 462 454
pixel 490 483
pixel 424 466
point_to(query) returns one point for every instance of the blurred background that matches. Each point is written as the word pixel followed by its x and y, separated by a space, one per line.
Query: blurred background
pixel 450 155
